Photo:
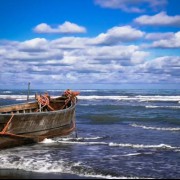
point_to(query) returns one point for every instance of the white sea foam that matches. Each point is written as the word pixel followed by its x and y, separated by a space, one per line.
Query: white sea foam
pixel 177 150
pixel 160 146
pixel 164 107
pixel 38 164
pixel 55 90
pixel 156 128
pixel 112 144
pixel 132 154
pixel 82 143
pixel 7 92
pixel 16 97
pixel 111 177
pixel 81 138
pixel 118 98
pixel 134 98
pixel 82 90
pixel 137 154
pixel 158 98
pixel 103 97
pixel 88 90
pixel 47 141
pixel 34 161
pixel 69 140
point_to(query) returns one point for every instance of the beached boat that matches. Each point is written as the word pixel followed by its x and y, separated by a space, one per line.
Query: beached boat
pixel 32 122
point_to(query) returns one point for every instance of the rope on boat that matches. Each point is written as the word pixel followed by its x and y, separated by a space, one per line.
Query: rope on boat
pixel 71 96
pixel 44 101
pixel 7 125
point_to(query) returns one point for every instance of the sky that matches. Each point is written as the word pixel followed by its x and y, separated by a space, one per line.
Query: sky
pixel 90 44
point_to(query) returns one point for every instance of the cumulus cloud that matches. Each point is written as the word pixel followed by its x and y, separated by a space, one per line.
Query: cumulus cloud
pixel 159 36
pixel 36 44
pixel 172 41
pixel 158 70
pixel 136 6
pixel 67 28
pixel 118 34
pixel 113 36
pixel 161 19
pixel 101 59
pixel 163 65
pixel 91 64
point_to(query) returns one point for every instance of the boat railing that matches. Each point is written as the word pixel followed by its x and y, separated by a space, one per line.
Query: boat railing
pixel 33 107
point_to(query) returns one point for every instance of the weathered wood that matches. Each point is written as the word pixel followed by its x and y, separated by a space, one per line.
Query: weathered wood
pixel 8 141
pixel 19 107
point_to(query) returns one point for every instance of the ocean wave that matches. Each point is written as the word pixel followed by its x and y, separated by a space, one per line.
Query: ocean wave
pixel 155 128
pixel 111 144
pixel 55 90
pixel 137 154
pixel 7 92
pixel 35 164
pixel 16 97
pixel 160 146
pixel 177 150
pixel 73 140
pixel 88 90
pixel 43 163
pixel 101 176
pixel 134 98
pixel 163 107
pixel 117 98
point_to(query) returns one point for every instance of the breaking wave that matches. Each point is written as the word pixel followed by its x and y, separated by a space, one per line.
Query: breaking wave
pixel 155 128
pixel 134 98
pixel 16 97
pixel 118 98
pixel 41 161
pixel 111 144
pixel 54 140
pixel 163 107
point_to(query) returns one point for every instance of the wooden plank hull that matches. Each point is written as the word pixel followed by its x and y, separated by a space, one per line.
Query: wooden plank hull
pixel 33 127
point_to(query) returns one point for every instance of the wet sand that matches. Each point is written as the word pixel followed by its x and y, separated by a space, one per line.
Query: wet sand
pixel 20 174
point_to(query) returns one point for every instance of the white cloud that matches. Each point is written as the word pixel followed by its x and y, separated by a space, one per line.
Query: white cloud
pixel 67 28
pixel 70 42
pixel 171 42
pixel 139 57
pixel 118 34
pixel 44 28
pixel 136 6
pixel 164 69
pixel 161 19
pixel 113 36
pixel 34 44
pixel 102 59
pixel 159 36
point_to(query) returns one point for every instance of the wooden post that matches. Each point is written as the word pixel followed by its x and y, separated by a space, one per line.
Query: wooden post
pixel 28 91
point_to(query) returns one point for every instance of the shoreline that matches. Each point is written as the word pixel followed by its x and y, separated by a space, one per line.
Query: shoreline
pixel 21 174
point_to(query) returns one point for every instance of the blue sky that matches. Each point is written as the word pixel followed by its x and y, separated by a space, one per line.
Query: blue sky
pixel 89 44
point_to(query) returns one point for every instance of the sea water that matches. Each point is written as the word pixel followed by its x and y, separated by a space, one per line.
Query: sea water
pixel 129 134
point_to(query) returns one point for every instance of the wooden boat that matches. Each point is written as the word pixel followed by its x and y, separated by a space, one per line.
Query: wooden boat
pixel 32 122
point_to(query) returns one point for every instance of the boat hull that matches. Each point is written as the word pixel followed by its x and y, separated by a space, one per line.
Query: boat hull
pixel 20 129
pixel 9 141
